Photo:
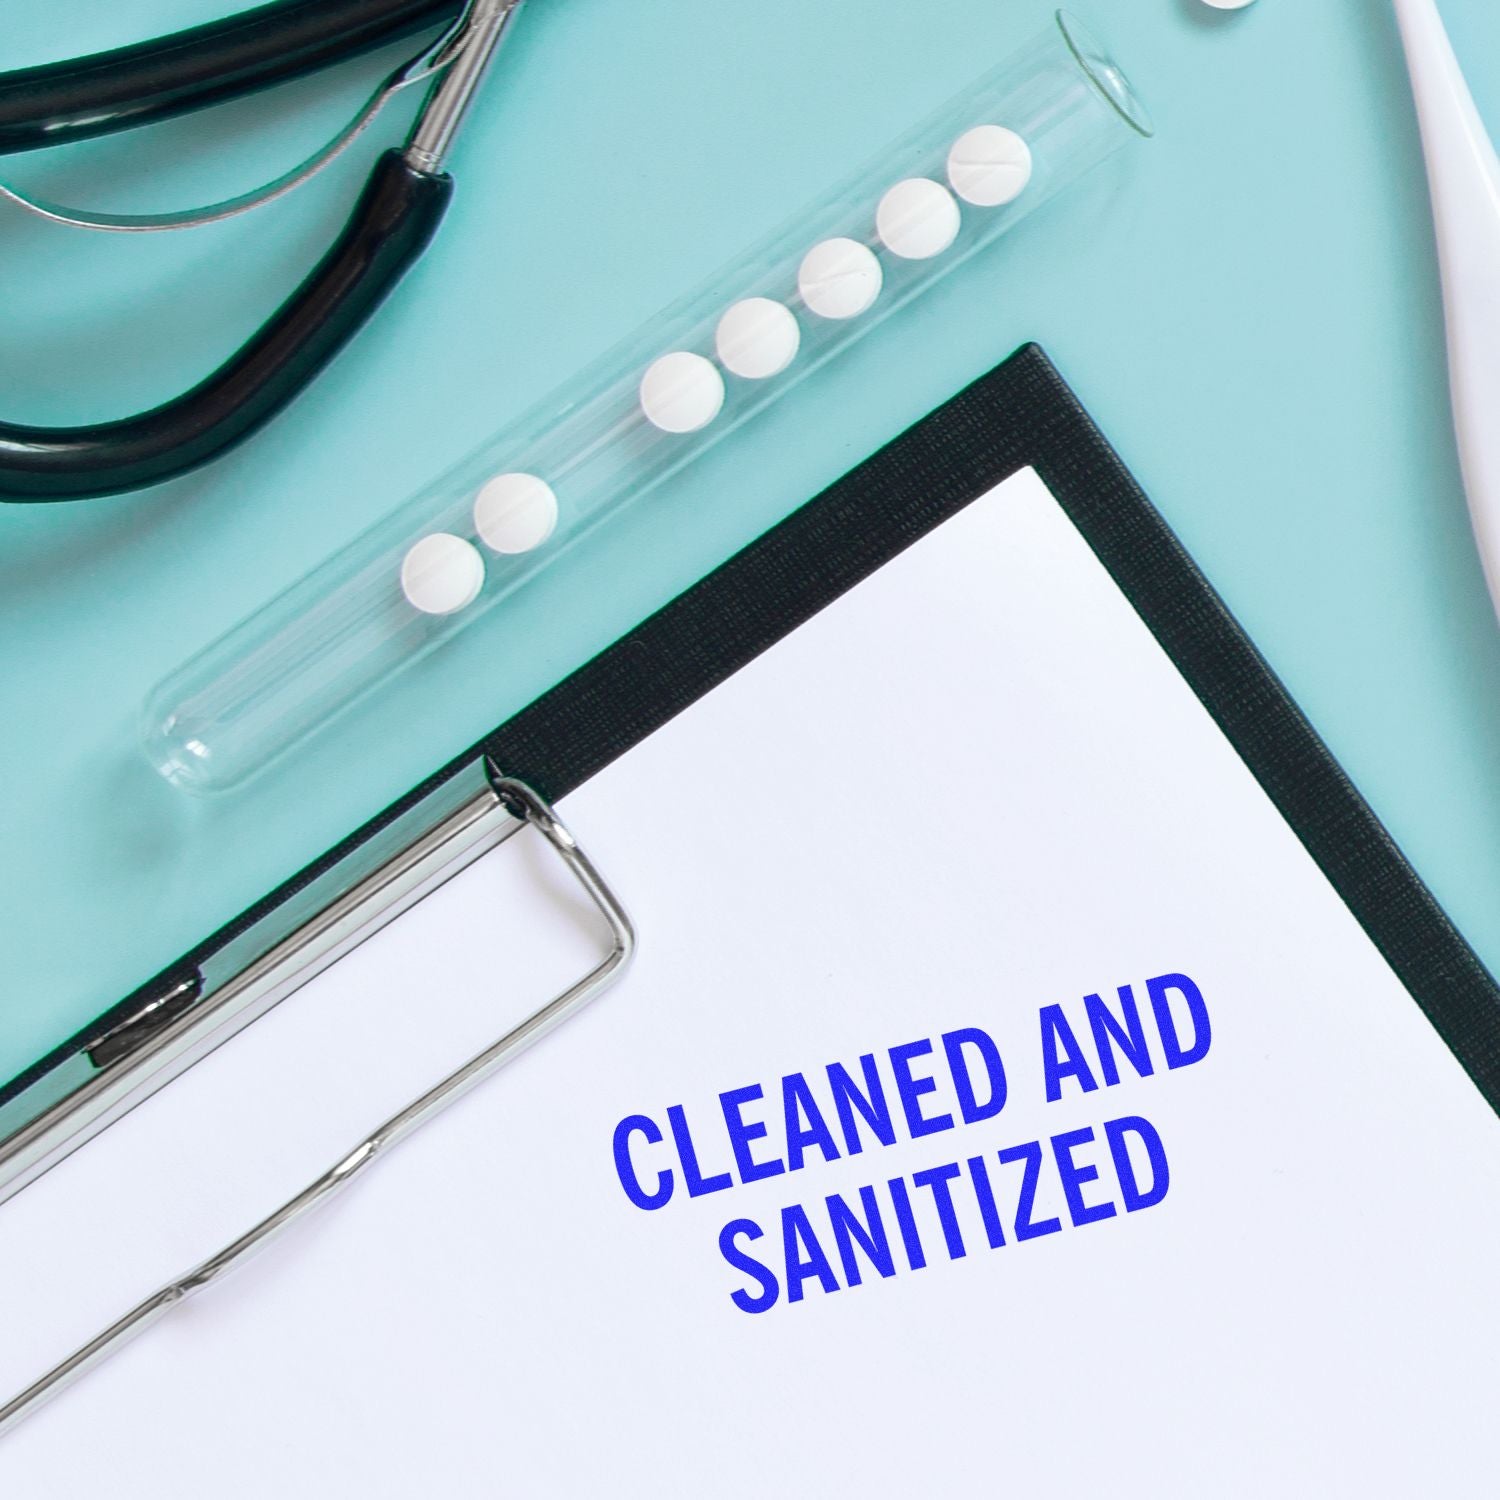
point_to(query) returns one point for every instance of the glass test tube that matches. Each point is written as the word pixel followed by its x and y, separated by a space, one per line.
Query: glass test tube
pixel 446 557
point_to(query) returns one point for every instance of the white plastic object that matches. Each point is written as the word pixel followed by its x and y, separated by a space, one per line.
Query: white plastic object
pixel 1464 174
pixel 603 444
pixel 989 165
pixel 757 338
pixel 441 574
pixel 917 219
pixel 515 513
pixel 839 278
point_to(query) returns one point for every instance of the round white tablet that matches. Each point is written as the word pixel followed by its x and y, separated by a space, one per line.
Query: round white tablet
pixel 1229 4
pixel 515 512
pixel 989 165
pixel 839 278
pixel 917 219
pixel 757 338
pixel 682 392
pixel 442 573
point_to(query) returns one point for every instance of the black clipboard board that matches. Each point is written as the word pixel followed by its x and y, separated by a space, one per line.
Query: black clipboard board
pixel 1020 414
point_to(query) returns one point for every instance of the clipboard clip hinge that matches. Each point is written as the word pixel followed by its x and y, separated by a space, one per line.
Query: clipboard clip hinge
pixel 147 1019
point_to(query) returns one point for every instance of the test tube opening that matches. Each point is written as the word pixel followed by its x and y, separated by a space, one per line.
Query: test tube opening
pixel 1105 74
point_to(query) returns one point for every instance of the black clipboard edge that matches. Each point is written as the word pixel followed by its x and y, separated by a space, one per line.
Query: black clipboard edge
pixel 1021 414
pixel 1024 413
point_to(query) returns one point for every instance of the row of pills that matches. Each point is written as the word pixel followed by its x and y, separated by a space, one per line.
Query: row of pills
pixel 757 338
pixel 840 278
pixel 513 513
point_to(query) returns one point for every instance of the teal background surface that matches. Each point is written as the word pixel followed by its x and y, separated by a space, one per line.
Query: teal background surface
pixel 1248 305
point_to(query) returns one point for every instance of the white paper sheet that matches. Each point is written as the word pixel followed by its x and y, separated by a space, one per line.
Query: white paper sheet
pixel 973 788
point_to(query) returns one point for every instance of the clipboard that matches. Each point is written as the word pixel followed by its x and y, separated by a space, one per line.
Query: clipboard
pixel 1022 414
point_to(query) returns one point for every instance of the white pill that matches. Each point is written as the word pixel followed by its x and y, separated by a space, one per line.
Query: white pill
pixel 682 392
pixel 442 573
pixel 989 165
pixel 1229 4
pixel 515 512
pixel 917 219
pixel 757 338
pixel 839 278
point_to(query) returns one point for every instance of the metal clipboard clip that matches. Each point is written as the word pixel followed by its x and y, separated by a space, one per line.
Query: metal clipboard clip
pixel 505 798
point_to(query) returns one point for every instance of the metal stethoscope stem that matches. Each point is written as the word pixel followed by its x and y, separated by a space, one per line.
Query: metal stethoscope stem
pixel 482 30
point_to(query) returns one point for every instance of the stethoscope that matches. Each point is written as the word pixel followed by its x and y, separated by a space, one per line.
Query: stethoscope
pixel 394 219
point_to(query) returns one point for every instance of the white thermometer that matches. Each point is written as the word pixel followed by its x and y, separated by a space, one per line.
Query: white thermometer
pixel 1464 173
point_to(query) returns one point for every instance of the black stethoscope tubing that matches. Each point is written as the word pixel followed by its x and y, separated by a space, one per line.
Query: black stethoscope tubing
pixel 63 102
pixel 391 224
